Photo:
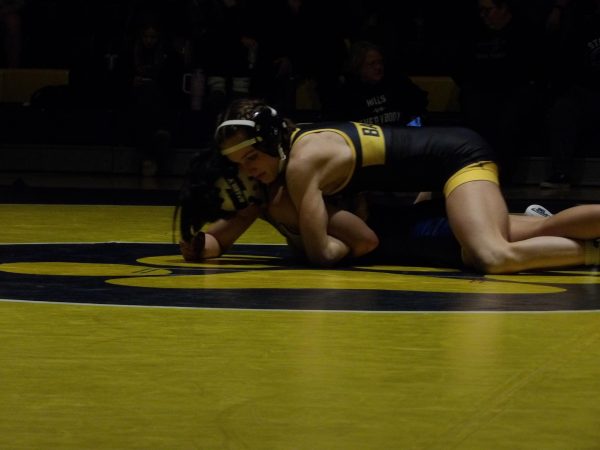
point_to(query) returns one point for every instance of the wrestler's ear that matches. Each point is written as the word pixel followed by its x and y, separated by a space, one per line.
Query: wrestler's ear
pixel 269 126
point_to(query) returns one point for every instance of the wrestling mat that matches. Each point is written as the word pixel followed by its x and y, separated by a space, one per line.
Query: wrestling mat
pixel 255 276
pixel 110 340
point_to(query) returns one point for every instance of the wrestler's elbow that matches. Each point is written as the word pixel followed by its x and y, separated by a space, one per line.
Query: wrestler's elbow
pixel 323 259
pixel 327 255
pixel 336 251
pixel 365 246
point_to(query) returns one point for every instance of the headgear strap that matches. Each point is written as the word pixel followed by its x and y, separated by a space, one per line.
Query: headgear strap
pixel 242 122
pixel 241 145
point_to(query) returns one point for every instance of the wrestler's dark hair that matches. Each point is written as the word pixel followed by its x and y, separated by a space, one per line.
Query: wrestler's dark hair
pixel 199 199
pixel 273 129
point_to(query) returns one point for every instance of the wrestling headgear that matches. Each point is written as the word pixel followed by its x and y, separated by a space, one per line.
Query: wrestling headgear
pixel 238 191
pixel 215 189
pixel 266 131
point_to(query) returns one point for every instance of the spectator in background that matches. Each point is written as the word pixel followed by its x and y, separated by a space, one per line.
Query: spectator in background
pixel 369 94
pixel 416 37
pixel 301 48
pixel 574 116
pixel 228 51
pixel 99 56
pixel 10 25
pixel 497 74
pixel 155 81
pixel 388 25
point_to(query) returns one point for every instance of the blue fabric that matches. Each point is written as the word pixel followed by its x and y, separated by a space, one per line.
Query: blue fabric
pixel 434 227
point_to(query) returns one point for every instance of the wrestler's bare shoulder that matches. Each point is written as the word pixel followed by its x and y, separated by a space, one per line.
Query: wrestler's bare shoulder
pixel 320 144
pixel 323 158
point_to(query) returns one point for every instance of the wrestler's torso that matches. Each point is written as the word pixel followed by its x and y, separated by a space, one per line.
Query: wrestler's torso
pixel 397 159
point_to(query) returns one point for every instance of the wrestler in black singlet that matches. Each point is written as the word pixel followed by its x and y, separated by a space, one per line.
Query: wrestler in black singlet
pixel 404 159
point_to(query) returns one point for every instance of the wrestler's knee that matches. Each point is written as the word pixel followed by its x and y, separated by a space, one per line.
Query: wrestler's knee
pixel 490 260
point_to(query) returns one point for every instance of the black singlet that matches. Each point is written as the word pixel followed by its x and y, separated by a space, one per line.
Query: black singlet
pixel 404 159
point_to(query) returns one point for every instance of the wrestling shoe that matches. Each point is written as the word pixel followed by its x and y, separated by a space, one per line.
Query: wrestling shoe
pixel 537 211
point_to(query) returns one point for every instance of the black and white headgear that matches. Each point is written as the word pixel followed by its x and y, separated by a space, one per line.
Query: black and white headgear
pixel 238 191
pixel 266 129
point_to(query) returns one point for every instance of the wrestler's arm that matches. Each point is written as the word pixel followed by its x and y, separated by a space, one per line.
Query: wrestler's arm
pixel 304 175
pixel 219 235
pixel 313 220
pixel 353 231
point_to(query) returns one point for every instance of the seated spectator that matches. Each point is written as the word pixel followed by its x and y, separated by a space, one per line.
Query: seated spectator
pixel 497 75
pixel 10 24
pixel 300 49
pixel 154 79
pixel 574 117
pixel 227 51
pixel 369 94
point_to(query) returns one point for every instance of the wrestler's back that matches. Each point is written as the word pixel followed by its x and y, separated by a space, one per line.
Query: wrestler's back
pixel 401 159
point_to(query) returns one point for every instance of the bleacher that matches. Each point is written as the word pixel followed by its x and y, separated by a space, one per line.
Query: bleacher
pixel 87 140
pixel 49 137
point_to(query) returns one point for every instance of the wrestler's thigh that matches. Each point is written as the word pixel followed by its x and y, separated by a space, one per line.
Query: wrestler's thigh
pixel 477 213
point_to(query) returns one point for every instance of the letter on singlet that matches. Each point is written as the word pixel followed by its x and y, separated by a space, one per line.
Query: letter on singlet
pixel 372 144
pixel 369 130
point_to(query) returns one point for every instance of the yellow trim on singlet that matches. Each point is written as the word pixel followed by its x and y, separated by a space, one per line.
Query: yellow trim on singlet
pixel 372 144
pixel 480 171
pixel 340 133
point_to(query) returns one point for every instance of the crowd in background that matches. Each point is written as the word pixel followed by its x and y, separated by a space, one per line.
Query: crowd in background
pixel 528 71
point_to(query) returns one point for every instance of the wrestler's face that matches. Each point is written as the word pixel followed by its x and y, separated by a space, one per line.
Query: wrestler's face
pixel 251 161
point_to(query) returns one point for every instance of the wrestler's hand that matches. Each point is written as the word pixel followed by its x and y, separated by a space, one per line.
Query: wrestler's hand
pixel 352 231
pixel 192 250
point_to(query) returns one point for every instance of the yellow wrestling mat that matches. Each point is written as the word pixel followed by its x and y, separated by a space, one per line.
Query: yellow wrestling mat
pixel 354 363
